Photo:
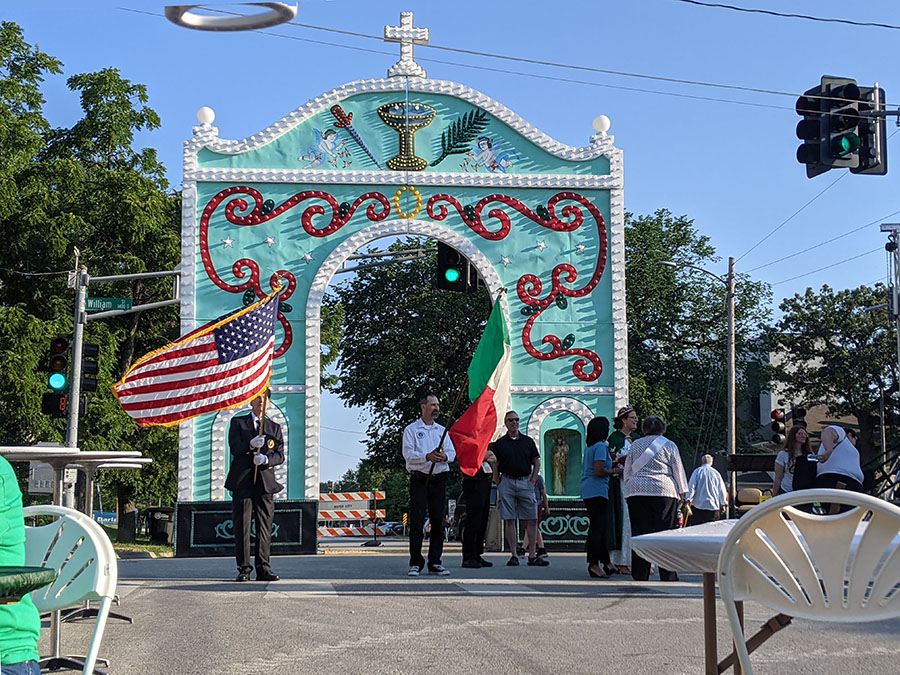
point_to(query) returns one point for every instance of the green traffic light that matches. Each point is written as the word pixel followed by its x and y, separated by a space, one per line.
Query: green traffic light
pixel 57 381
pixel 845 144
pixel 451 274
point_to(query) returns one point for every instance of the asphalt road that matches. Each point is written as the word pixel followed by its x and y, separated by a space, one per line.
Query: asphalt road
pixel 353 610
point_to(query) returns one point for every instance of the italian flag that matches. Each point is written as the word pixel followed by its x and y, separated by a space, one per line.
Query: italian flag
pixel 489 376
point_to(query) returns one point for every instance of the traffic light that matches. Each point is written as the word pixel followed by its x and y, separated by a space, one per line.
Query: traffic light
pixel 798 415
pixel 777 426
pixel 840 122
pixel 452 269
pixel 809 131
pixel 58 363
pixel 872 132
pixel 831 125
pixel 89 366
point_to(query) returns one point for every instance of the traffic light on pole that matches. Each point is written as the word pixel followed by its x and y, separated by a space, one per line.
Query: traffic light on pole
pixel 840 122
pixel 452 269
pixel 872 132
pixel 58 363
pixel 809 130
pixel 55 403
pixel 777 426
pixel 798 416
pixel 89 366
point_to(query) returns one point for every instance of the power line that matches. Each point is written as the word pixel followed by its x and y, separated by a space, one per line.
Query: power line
pixel 749 10
pixel 344 431
pixel 821 269
pixel 517 59
pixel 823 243
pixel 786 221
pixel 791 217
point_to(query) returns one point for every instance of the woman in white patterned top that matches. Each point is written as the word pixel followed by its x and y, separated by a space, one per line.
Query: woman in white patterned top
pixel 654 485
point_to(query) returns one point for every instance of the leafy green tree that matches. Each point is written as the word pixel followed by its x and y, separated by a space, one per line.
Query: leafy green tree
pixel 677 329
pixel 402 338
pixel 832 352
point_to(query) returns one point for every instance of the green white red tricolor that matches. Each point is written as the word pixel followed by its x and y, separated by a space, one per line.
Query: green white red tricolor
pixel 489 377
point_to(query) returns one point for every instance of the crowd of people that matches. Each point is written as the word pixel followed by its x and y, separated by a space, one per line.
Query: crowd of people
pixel 629 487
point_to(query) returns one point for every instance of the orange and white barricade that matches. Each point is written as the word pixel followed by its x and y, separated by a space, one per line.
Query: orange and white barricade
pixel 350 506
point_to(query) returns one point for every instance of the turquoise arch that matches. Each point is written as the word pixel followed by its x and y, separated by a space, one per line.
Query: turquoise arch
pixel 539 218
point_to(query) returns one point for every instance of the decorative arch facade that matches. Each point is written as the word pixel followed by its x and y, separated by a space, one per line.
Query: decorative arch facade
pixel 405 156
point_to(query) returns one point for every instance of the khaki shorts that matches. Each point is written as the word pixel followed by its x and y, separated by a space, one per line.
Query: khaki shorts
pixel 517 500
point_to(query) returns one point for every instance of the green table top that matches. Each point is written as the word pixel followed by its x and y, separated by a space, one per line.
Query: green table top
pixel 16 582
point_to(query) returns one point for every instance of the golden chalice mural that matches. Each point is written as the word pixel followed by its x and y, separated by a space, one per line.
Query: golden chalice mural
pixel 406 119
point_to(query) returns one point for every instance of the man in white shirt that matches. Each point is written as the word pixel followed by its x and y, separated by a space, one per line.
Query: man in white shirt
pixel 706 493
pixel 427 451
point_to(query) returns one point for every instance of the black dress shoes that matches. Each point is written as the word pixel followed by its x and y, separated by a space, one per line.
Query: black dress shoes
pixel 472 564
pixel 242 576
pixel 485 562
pixel 267 576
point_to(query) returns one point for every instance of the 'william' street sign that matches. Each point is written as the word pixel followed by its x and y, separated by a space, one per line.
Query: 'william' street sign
pixel 106 304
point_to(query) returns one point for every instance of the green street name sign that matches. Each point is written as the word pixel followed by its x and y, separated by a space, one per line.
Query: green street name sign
pixel 106 304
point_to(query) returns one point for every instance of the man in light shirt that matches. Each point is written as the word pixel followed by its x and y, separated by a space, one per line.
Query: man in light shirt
pixel 427 460
pixel 706 493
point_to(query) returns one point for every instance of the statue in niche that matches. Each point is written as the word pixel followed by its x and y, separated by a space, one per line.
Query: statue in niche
pixel 560 457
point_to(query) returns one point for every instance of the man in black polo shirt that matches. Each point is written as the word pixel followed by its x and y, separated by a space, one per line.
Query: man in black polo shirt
pixel 516 472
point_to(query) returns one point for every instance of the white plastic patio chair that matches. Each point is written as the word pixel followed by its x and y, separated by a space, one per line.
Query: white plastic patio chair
pixel 842 568
pixel 80 549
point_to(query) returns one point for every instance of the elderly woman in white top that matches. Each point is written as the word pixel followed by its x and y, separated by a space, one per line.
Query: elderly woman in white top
pixel 654 485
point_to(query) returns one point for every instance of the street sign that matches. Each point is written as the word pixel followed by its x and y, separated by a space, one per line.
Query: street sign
pixel 106 304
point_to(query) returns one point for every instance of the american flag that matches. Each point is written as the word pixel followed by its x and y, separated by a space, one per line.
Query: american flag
pixel 221 365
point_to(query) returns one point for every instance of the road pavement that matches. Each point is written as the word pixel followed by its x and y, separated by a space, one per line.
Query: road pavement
pixel 353 610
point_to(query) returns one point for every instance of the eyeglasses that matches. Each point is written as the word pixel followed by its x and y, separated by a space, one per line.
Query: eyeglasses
pixel 512 419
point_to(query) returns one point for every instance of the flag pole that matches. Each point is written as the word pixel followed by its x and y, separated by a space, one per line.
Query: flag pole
pixel 262 419
pixel 262 416
pixel 440 446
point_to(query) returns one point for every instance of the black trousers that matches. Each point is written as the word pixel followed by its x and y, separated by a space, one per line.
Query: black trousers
pixel 651 514
pixel 477 497
pixel 244 510
pixel 595 546
pixel 830 480
pixel 427 495
pixel 700 516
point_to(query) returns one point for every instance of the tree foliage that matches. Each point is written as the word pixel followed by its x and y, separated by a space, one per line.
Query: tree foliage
pixel 84 187
pixel 677 330
pixel 402 339
pixel 831 352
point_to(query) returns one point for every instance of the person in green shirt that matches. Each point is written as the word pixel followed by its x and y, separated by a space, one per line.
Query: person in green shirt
pixel 20 623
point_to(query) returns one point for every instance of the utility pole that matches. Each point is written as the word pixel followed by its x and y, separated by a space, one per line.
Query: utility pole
pixel 82 280
pixel 893 247
pixel 732 378
pixel 731 366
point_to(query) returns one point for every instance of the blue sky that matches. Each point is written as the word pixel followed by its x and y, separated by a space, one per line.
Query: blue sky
pixel 724 157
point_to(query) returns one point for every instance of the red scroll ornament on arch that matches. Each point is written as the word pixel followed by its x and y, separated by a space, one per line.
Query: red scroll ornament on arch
pixel 529 286
pixel 238 212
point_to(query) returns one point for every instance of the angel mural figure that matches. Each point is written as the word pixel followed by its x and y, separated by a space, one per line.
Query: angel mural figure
pixel 484 155
pixel 328 146
pixel 560 458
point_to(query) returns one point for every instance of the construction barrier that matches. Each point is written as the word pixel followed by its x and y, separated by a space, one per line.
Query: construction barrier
pixel 350 506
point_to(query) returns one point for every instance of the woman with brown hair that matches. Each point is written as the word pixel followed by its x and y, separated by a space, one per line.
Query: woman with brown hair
pixel 796 448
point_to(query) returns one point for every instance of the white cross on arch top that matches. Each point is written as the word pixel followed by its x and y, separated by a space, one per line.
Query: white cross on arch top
pixel 407 35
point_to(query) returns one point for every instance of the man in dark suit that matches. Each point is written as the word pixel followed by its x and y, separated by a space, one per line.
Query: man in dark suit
pixel 251 479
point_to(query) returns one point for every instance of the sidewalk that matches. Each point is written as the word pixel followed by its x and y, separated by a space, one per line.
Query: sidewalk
pixel 359 613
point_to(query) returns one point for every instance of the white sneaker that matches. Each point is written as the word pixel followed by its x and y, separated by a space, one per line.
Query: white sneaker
pixel 440 570
pixel 414 571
